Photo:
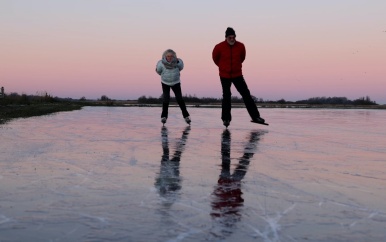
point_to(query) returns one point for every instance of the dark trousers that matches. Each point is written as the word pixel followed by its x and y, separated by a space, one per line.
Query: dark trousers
pixel 242 88
pixel 166 99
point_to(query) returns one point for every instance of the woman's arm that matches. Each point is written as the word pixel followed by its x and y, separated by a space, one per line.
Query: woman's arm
pixel 180 64
pixel 159 68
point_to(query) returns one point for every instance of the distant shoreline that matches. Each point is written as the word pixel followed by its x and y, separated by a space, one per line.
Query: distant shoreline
pixel 135 103
pixel 9 112
pixel 262 105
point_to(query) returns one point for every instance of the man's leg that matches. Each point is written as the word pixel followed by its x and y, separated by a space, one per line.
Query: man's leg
pixel 178 93
pixel 166 100
pixel 250 104
pixel 226 99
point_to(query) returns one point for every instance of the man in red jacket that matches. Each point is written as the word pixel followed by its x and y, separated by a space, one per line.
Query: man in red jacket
pixel 229 55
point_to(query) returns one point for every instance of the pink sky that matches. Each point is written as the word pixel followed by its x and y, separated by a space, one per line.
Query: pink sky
pixel 295 50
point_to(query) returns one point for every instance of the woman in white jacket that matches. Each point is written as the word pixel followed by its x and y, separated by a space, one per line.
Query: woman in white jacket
pixel 169 69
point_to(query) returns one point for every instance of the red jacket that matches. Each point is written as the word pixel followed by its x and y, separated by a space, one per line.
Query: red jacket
pixel 229 58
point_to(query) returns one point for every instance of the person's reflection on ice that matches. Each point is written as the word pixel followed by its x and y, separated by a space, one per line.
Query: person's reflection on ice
pixel 168 181
pixel 227 196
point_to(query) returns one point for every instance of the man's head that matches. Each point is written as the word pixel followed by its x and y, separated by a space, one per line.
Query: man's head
pixel 230 36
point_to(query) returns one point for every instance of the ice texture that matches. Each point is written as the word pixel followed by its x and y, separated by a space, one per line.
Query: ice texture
pixel 118 174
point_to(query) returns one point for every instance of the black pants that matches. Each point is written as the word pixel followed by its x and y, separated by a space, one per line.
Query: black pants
pixel 242 88
pixel 166 99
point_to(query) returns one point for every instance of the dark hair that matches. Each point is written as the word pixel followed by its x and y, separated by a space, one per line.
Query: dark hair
pixel 230 31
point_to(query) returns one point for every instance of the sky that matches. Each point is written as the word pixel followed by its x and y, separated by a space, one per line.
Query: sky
pixel 295 49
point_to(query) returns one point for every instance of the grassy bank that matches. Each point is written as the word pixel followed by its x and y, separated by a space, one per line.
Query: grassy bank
pixel 8 112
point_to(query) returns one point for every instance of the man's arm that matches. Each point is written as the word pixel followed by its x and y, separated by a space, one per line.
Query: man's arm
pixel 243 53
pixel 216 55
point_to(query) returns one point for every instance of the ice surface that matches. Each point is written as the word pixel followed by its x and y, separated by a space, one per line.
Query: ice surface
pixel 115 174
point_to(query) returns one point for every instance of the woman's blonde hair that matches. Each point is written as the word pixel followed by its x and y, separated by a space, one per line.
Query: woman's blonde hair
pixel 169 51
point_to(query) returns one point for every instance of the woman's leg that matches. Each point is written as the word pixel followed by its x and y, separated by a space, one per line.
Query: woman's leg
pixel 166 100
pixel 178 93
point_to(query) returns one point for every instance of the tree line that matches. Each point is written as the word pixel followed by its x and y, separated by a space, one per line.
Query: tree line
pixel 44 97
pixel 338 100
pixel 24 99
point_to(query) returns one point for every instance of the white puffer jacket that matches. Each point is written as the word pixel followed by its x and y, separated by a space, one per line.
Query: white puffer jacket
pixel 170 77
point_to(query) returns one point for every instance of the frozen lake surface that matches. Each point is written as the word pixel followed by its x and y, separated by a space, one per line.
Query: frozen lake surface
pixel 115 174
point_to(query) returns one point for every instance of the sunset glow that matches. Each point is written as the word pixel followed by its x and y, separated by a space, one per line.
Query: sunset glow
pixel 295 50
